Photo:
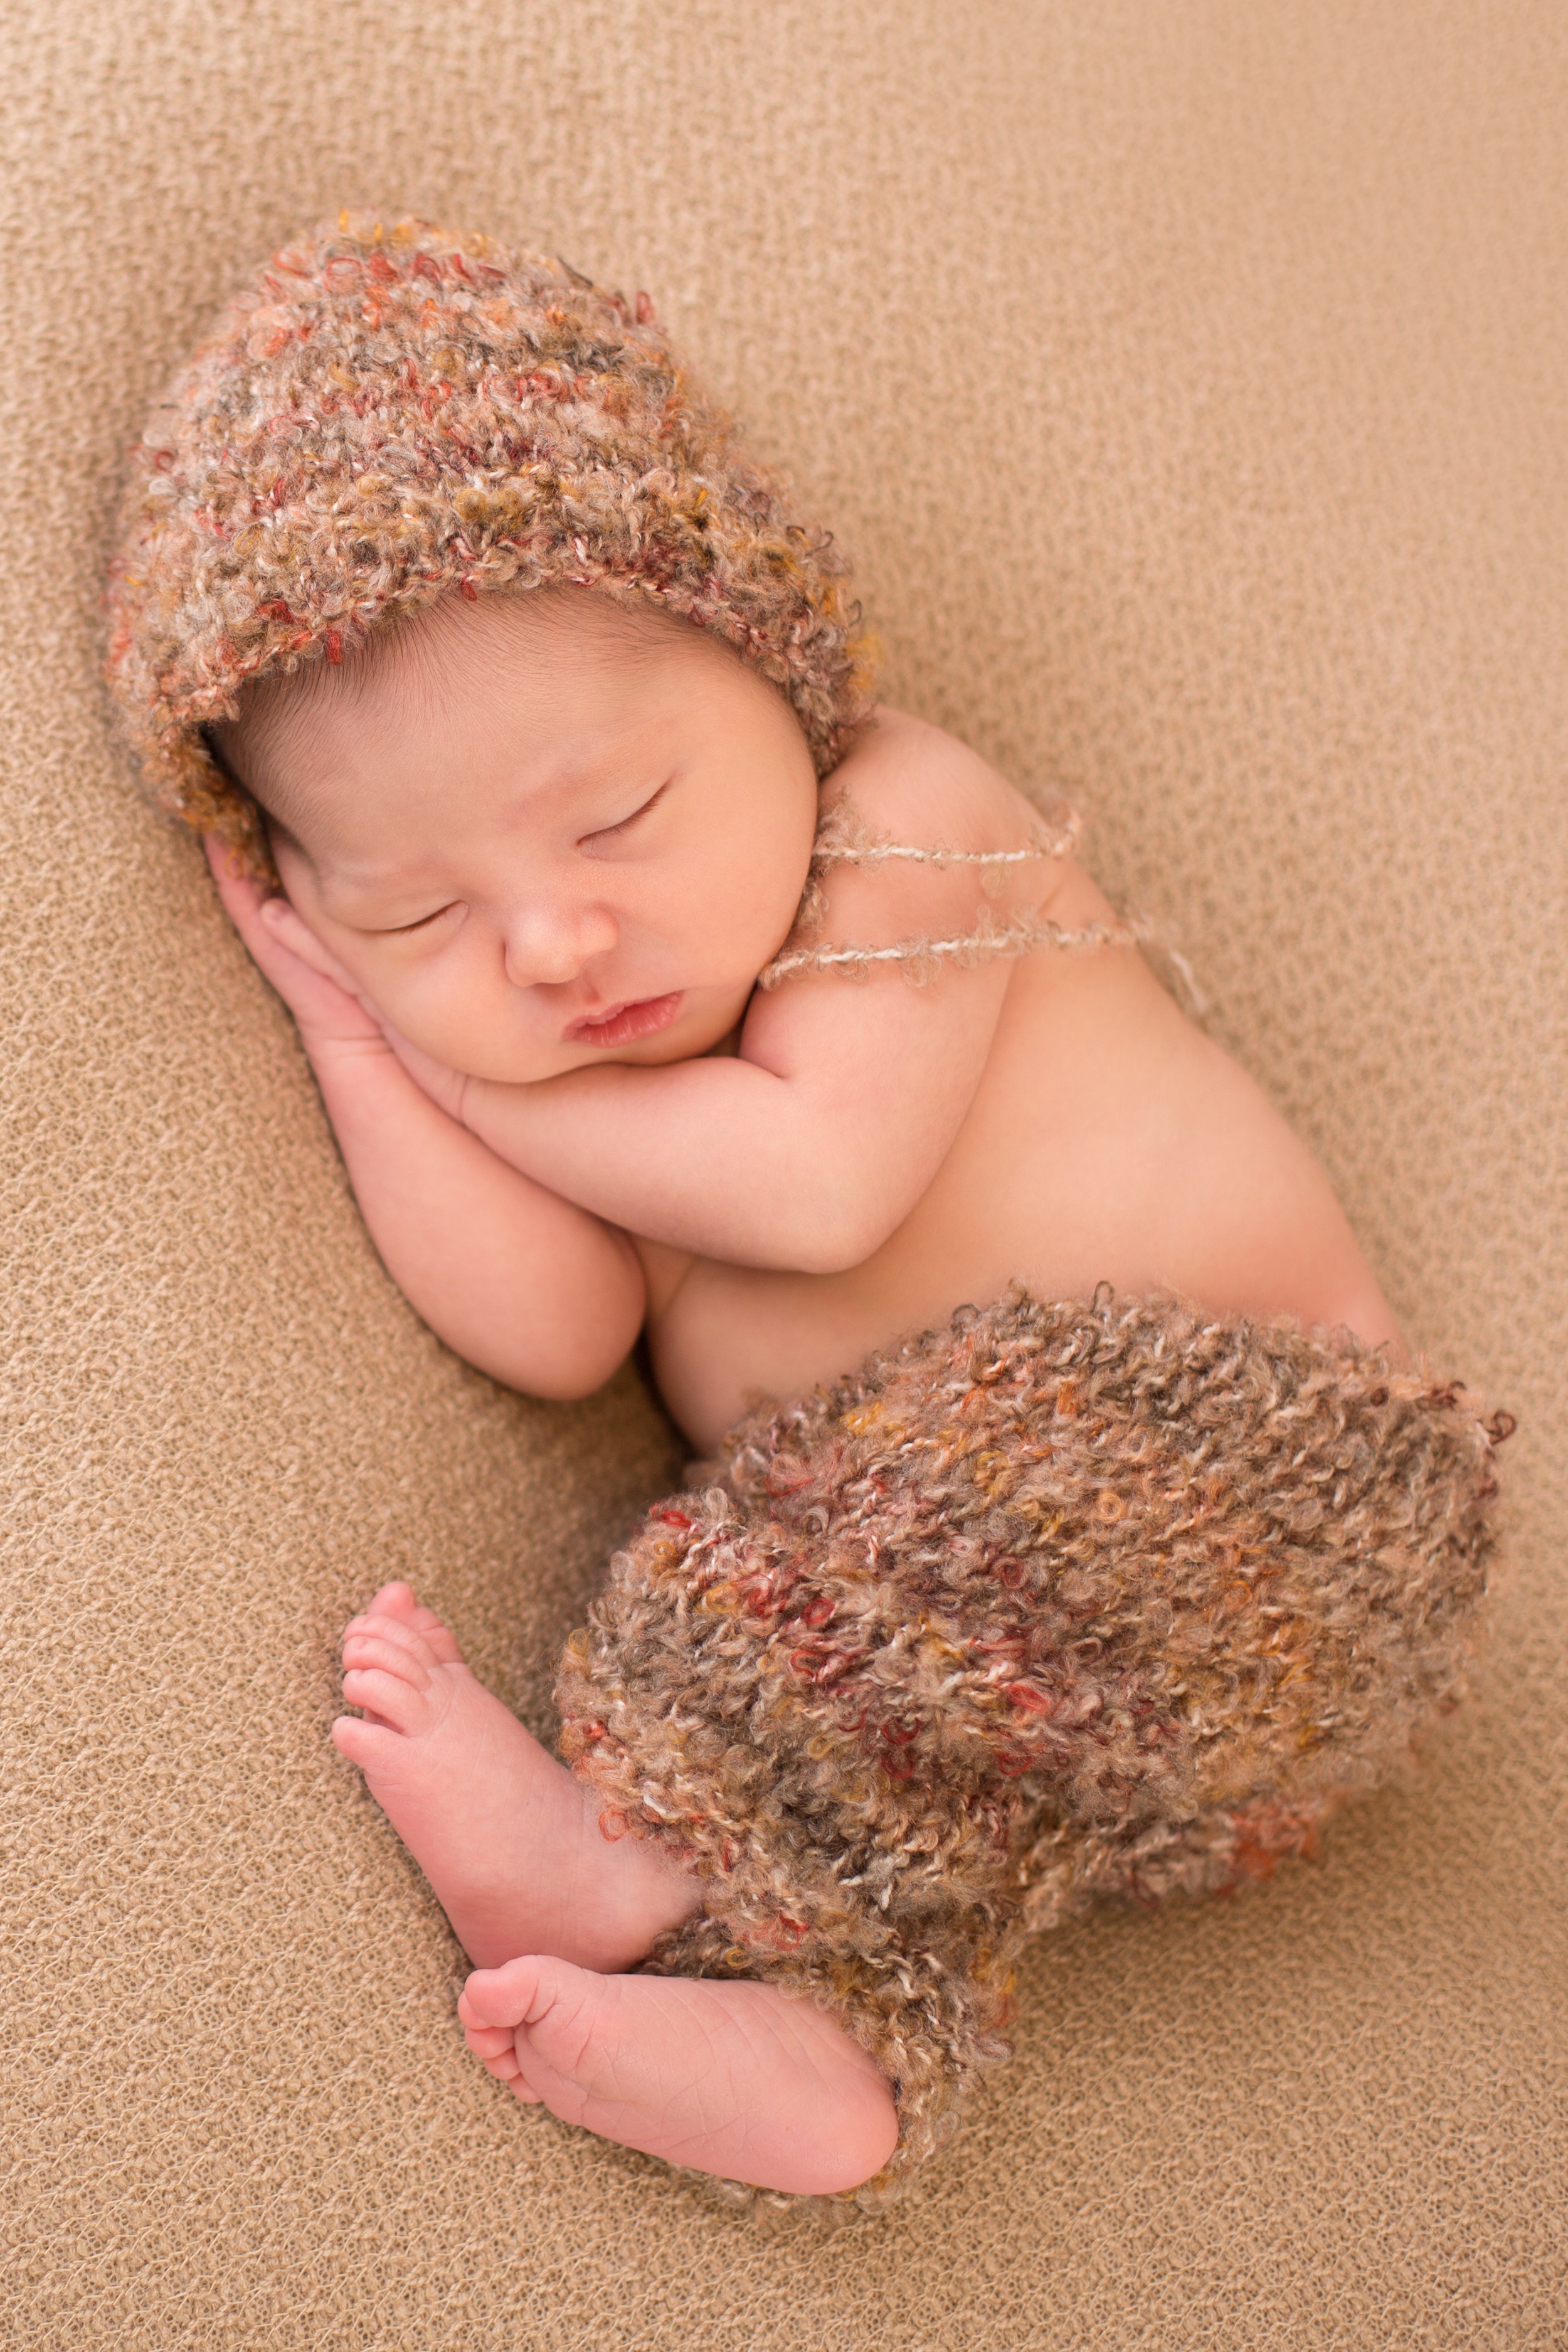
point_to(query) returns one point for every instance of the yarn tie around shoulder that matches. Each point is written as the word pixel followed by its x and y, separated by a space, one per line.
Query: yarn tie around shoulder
pixel 842 839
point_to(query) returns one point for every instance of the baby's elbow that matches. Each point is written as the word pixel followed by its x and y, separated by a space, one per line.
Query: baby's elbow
pixel 562 1356
pixel 835 1238
pixel 822 1258
pixel 569 1384
pixel 585 1356
pixel 564 1375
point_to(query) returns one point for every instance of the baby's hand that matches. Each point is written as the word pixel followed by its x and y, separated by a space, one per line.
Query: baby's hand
pixel 314 987
pixel 445 1087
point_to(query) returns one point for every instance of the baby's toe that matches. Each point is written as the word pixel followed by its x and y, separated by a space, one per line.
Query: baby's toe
pixel 391 1698
pixel 494 2048
pixel 394 1599
pixel 372 1745
pixel 417 1630
pixel 442 1641
pixel 393 1647
pixel 500 1997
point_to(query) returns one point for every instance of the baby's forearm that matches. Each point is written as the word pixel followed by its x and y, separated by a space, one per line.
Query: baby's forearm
pixel 526 1285
pixel 801 1152
pixel 716 1155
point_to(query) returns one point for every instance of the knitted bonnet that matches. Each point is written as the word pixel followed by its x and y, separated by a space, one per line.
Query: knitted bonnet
pixel 390 413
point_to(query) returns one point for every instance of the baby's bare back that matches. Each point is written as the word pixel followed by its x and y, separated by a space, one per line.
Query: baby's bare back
pixel 1109 1140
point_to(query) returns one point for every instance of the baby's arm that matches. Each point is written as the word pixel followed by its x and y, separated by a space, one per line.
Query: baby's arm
pixel 804 1152
pixel 532 1289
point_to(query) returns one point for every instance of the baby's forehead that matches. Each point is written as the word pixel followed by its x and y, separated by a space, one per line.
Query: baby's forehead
pixel 425 680
pixel 452 649
pixel 455 645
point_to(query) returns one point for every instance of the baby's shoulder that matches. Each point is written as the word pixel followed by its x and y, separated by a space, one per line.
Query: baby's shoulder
pixel 918 785
pixel 920 834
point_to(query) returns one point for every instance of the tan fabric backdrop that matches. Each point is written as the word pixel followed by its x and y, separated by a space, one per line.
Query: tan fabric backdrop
pixel 1188 379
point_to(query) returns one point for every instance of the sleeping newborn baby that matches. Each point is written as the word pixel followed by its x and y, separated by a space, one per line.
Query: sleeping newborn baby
pixel 1070 1524
pixel 535 853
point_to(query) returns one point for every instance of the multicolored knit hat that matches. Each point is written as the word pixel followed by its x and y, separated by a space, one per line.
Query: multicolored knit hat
pixel 389 413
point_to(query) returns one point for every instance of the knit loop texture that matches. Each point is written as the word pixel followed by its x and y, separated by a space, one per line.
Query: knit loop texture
pixel 1064 1601
pixel 390 414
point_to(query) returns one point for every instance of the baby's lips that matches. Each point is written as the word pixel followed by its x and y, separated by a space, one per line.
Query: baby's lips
pixel 639 1017
pixel 597 1020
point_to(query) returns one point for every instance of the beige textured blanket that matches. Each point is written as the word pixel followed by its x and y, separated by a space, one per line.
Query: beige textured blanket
pixel 1186 380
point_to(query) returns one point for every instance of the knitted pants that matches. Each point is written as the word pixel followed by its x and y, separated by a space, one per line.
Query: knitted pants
pixel 1064 1601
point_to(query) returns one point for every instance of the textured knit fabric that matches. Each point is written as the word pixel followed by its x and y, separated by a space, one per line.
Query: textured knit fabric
pixel 389 415
pixel 1062 1601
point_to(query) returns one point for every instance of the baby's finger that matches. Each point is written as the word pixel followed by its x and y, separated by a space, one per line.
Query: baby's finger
pixel 241 893
pixel 447 1088
pixel 390 1697
pixel 291 931
pixel 248 906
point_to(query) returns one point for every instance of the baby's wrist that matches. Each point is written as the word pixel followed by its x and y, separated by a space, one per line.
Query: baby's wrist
pixel 326 1051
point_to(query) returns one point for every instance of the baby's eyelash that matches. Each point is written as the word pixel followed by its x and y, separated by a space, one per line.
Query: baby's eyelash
pixel 607 831
pixel 398 930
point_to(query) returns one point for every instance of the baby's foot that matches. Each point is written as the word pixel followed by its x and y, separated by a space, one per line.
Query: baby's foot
pixel 736 2079
pixel 508 1839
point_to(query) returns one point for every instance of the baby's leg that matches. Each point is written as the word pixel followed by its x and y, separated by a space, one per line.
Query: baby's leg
pixel 508 1839
pixel 737 2079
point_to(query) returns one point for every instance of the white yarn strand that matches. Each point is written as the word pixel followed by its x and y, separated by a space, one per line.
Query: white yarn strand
pixel 872 851
pixel 1016 937
pixel 844 842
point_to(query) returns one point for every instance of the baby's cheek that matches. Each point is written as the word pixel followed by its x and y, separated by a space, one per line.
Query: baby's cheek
pixel 484 1028
pixel 429 1016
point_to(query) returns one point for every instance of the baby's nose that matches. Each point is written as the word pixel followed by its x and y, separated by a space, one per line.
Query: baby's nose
pixel 547 945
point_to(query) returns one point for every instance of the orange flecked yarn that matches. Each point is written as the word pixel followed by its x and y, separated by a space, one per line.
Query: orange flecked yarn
pixel 1062 1601
pixel 390 414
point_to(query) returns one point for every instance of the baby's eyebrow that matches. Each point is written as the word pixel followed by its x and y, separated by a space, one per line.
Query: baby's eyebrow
pixel 382 889
pixel 601 757
pixel 576 774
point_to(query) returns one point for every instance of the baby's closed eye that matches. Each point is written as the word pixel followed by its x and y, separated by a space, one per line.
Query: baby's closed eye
pixel 420 923
pixel 626 824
